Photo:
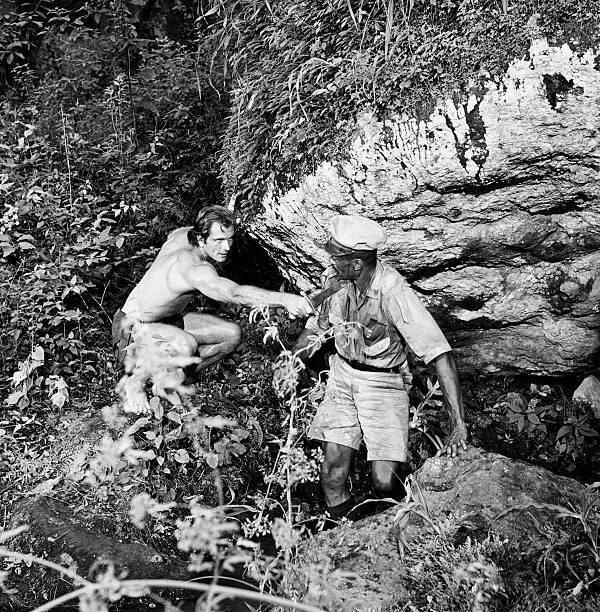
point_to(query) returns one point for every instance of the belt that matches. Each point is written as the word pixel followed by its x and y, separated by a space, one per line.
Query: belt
pixel 363 367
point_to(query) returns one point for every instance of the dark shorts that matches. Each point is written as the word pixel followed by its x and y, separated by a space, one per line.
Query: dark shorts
pixel 122 328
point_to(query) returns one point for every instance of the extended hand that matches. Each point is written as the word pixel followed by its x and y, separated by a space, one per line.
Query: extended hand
pixel 455 443
pixel 298 306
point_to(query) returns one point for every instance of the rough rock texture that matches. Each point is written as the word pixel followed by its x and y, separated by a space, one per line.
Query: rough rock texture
pixel 476 488
pixel 492 206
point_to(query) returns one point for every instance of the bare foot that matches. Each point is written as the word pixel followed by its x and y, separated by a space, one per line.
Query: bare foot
pixel 133 392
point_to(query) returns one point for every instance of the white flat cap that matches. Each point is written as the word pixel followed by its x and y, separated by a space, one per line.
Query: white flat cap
pixel 354 233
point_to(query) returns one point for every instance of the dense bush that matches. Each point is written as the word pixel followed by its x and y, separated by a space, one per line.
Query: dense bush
pixel 108 140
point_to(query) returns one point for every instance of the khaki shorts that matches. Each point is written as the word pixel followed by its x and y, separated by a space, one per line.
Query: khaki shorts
pixel 369 405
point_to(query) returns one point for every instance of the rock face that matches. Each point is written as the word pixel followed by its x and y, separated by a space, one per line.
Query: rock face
pixel 492 208
pixel 483 492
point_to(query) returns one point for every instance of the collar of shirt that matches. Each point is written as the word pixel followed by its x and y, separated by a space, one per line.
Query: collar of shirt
pixel 371 292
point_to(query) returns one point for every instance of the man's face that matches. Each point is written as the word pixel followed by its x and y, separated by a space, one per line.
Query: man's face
pixel 345 268
pixel 219 241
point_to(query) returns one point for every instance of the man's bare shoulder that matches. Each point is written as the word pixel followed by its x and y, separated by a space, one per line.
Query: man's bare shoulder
pixel 189 260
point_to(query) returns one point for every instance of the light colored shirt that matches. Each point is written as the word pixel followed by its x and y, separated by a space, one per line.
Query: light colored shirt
pixel 376 324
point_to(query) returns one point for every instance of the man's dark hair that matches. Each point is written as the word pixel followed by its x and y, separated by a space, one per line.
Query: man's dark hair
pixel 205 219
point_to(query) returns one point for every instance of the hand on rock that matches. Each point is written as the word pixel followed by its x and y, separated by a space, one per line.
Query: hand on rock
pixel 455 443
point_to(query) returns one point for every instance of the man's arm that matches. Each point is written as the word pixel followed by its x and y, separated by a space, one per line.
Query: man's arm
pixel 205 279
pixel 447 374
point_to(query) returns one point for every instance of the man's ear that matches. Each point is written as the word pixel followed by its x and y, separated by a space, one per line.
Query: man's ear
pixel 358 264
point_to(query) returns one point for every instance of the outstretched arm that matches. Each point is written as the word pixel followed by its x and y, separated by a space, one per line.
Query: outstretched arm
pixel 206 280
pixel 447 374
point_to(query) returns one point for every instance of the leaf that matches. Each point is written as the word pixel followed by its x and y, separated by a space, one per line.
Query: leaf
pixel 565 430
pixel 212 459
pixel 38 354
pixel 219 422
pixel 141 422
pixel 14 397
pixel 578 588
pixel 104 235
pixel 46 487
pixel 533 418
pixel 181 456
pixel 59 398
pixel 211 11
pixel 174 435
pixel 238 449
pixel 157 408
pixel 174 416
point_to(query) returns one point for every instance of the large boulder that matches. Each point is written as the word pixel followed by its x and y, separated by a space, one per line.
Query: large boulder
pixel 481 493
pixel 492 206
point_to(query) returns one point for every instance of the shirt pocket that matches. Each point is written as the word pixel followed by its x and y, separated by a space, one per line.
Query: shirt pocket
pixel 376 338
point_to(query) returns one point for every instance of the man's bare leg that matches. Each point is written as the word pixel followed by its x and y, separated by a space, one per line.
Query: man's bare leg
pixel 334 472
pixel 160 351
pixel 216 337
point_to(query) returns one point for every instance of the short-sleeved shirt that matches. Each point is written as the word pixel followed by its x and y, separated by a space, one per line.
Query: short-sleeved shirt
pixel 380 321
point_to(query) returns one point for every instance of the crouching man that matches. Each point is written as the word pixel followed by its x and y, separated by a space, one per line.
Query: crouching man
pixel 156 312
pixel 366 397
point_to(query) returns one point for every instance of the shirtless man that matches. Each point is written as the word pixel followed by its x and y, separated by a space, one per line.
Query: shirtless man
pixel 157 308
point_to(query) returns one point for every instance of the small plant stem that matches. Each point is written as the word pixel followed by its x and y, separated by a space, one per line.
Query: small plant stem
pixel 219 486
pixel 180 584
pixel 66 143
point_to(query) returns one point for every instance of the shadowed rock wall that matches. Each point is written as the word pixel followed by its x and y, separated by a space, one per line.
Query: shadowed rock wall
pixel 492 207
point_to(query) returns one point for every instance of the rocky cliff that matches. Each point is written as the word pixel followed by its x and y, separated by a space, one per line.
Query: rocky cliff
pixel 492 206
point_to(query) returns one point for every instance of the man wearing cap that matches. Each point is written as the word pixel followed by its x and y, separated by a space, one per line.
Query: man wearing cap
pixel 377 315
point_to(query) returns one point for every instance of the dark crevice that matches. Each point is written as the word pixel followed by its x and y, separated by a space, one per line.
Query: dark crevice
pixel 480 188
pixel 561 208
pixel 448 321
pixel 557 84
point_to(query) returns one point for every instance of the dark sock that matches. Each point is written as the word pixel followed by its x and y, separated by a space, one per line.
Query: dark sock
pixel 340 510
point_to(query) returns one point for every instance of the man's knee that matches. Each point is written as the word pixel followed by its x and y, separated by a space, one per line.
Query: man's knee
pixel 333 476
pixel 336 466
pixel 387 480
pixel 233 335
pixel 183 344
pixel 384 484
